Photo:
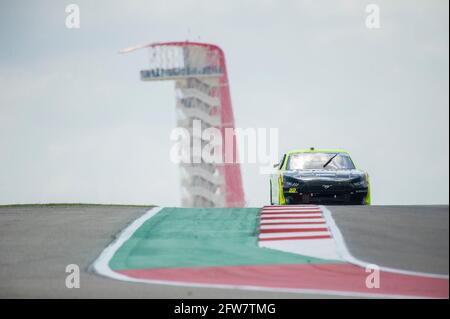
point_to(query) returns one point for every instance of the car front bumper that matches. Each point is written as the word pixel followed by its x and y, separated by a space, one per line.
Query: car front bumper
pixel 353 197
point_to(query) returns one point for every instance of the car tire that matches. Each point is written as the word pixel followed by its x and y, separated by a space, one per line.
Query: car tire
pixel 271 203
pixel 362 202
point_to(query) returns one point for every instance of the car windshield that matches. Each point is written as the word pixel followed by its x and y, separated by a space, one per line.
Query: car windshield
pixel 302 161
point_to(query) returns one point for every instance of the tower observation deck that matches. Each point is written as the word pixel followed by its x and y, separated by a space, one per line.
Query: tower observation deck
pixel 202 94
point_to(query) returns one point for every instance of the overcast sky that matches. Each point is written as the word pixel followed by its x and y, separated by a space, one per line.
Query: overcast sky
pixel 77 124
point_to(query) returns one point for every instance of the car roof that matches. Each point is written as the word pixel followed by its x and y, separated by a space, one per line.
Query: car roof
pixel 316 151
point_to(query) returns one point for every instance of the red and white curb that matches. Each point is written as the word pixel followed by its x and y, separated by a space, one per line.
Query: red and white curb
pixel 310 230
pixel 299 229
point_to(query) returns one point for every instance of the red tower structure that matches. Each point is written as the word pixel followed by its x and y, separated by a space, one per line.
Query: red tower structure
pixel 203 94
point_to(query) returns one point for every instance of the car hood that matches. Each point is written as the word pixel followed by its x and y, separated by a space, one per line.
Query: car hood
pixel 324 174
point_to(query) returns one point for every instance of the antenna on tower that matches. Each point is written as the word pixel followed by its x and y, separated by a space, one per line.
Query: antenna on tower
pixel 188 34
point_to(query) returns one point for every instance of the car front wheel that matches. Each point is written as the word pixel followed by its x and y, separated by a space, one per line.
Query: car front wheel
pixel 271 203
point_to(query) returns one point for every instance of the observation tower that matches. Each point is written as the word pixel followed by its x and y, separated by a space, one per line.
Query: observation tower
pixel 203 94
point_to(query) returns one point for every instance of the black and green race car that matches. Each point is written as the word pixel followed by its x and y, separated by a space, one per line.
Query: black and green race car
pixel 318 176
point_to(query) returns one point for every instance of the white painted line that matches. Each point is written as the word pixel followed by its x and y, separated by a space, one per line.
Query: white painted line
pixel 317 248
pixel 291 210
pixel 292 215
pixel 294 220
pixel 296 234
pixel 101 265
pixel 290 206
pixel 262 226
pixel 347 256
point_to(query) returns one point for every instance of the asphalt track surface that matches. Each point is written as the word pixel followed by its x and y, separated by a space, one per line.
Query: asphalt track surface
pixel 413 238
pixel 38 242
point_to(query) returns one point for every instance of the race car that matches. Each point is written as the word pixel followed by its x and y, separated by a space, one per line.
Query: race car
pixel 318 176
